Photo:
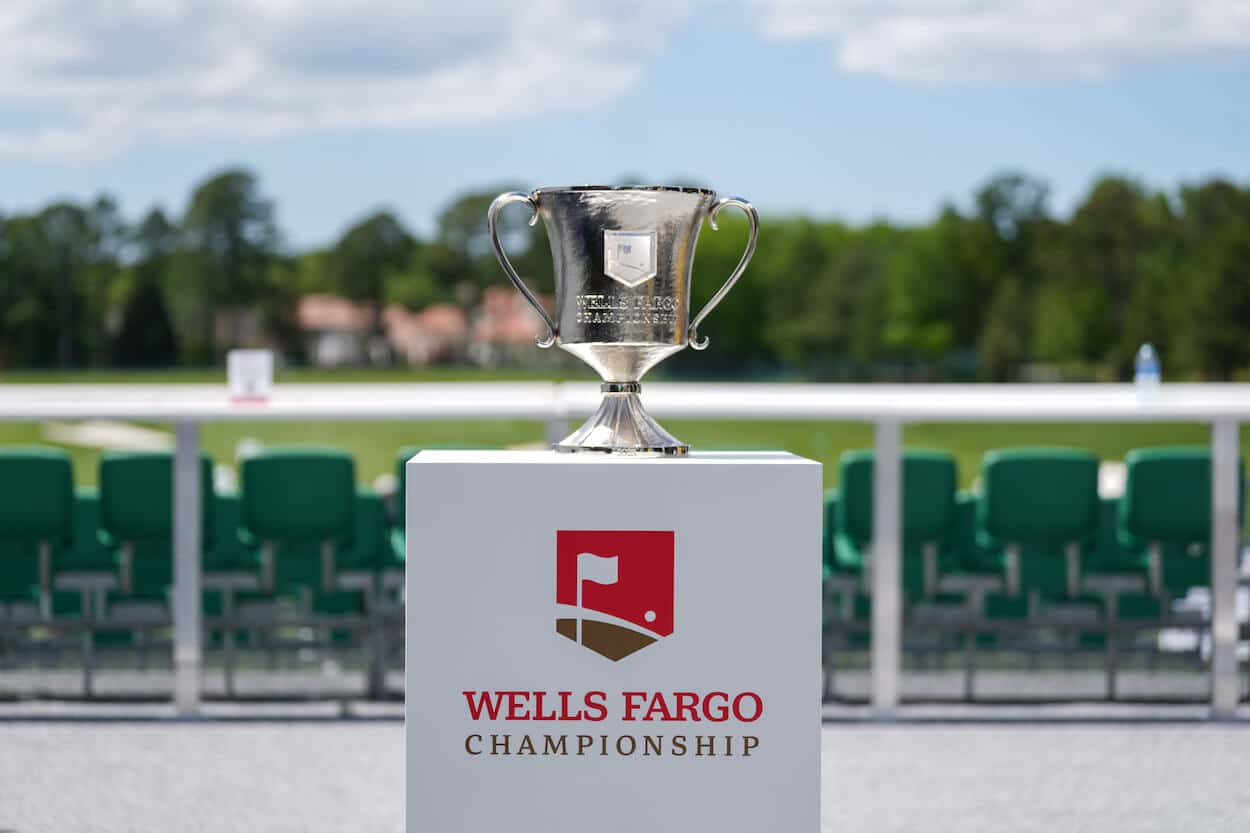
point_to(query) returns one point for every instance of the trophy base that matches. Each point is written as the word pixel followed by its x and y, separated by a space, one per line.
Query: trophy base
pixel 621 426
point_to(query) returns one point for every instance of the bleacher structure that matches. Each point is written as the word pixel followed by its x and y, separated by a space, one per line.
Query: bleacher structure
pixel 300 558
pixel 1033 561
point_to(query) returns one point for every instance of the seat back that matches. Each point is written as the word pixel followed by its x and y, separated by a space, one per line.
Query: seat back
pixel 1167 496
pixel 298 494
pixel 1038 497
pixel 36 496
pixel 137 496
pixel 929 480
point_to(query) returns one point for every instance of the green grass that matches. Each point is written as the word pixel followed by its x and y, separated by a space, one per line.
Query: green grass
pixel 374 444
pixel 825 441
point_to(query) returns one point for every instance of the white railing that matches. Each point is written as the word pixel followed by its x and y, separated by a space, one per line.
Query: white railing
pixel 887 407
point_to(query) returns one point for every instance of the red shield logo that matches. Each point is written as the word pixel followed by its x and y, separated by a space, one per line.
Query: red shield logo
pixel 614 590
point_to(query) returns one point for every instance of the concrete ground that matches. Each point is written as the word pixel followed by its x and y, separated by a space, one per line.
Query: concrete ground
pixel 300 768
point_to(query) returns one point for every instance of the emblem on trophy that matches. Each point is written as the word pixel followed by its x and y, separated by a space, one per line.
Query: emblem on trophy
pixel 623 258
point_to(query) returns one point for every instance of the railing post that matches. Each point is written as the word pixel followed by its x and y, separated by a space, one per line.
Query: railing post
pixel 556 426
pixel 887 612
pixel 1225 554
pixel 555 429
pixel 187 520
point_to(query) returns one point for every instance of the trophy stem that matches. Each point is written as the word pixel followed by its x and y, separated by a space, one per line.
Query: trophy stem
pixel 621 426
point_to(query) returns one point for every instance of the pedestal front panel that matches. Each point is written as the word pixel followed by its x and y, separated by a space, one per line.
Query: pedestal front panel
pixel 617 645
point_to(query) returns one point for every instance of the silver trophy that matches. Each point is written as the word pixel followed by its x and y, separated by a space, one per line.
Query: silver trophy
pixel 623 257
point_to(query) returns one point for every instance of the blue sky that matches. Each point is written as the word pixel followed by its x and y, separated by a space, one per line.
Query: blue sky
pixel 849 108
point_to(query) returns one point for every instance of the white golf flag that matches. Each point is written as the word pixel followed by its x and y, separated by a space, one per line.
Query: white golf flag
pixel 601 569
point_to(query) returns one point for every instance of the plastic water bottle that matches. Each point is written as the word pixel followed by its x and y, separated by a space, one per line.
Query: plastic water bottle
pixel 1146 374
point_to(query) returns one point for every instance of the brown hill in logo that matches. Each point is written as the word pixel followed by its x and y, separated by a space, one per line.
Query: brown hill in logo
pixel 626 576
pixel 611 641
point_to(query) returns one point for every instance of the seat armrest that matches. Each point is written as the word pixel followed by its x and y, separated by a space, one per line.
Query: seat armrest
pixel 231 580
pixel 929 552
pixel 976 586
pixel 1113 584
pixel 1072 567
pixel 85 580
pixel 1011 567
pixel 327 565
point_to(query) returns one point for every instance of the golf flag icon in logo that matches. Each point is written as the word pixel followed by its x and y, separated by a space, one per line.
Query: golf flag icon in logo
pixel 614 590
pixel 597 568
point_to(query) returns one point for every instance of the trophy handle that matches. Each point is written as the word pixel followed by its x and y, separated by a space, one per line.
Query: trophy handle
pixel 692 335
pixel 500 202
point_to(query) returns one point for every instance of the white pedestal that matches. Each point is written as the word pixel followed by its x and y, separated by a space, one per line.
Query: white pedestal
pixel 687 697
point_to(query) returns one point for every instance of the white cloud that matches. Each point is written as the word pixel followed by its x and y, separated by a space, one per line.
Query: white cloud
pixel 942 41
pixel 102 76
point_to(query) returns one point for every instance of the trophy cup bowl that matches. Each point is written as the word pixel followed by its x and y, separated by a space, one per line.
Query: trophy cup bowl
pixel 623 259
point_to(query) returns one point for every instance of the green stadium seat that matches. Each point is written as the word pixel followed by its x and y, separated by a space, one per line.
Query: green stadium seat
pixel 1039 507
pixel 861 615
pixel 840 583
pixel 298 514
pixel 363 565
pixel 1108 553
pixel 229 562
pixel 1167 495
pixel 1039 514
pixel 833 569
pixel 1165 515
pixel 87 551
pixel 320 539
pixel 228 551
pixel 828 518
pixel 36 525
pixel 973 571
pixel 87 566
pixel 136 518
pixel 232 584
pixel 1111 570
pixel 929 479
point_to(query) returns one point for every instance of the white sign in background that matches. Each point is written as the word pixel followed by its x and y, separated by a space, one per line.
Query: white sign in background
pixel 249 374
pixel 481 618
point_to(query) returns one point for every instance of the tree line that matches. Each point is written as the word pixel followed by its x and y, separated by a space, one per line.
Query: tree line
pixel 1002 289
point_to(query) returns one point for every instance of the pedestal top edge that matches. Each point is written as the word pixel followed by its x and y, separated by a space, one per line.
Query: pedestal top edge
pixel 554 458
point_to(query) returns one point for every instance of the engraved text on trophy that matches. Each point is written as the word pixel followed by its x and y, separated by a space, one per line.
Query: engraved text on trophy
pixel 610 308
